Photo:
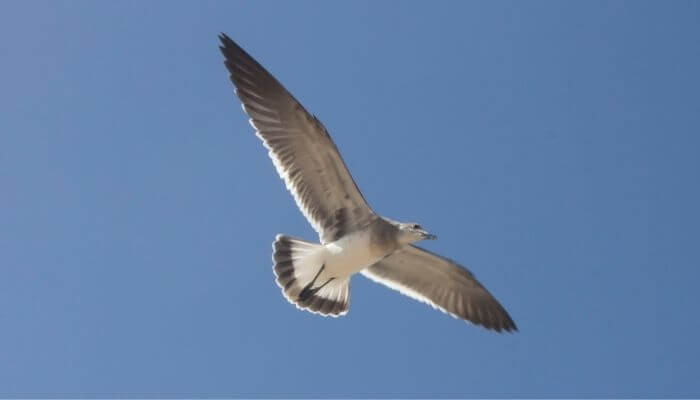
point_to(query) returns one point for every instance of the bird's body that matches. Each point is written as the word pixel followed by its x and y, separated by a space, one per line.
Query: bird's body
pixel 353 238
pixel 352 253
pixel 358 250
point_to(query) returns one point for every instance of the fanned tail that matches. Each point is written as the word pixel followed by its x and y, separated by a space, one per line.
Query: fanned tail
pixel 299 267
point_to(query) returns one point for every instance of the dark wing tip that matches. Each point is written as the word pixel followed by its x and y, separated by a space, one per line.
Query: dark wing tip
pixel 492 316
pixel 230 49
pixel 227 44
pixel 506 326
pixel 510 325
pixel 501 323
pixel 224 39
pixel 237 59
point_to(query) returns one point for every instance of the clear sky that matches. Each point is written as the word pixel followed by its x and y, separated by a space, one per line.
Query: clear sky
pixel 552 147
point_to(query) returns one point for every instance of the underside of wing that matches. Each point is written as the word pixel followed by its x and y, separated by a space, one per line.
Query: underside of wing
pixel 300 147
pixel 443 284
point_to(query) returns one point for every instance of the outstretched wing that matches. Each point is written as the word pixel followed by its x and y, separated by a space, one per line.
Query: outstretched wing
pixel 300 147
pixel 441 283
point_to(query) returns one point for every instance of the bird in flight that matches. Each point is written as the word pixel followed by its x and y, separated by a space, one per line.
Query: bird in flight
pixel 353 238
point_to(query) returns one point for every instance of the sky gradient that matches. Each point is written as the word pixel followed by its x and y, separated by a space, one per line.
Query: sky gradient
pixel 552 147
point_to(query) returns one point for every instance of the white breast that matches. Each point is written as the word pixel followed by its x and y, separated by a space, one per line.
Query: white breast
pixel 349 255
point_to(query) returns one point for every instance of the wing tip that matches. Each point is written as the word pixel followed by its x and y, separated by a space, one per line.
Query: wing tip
pixel 225 40
pixel 493 318
pixel 503 323
pixel 507 327
pixel 228 47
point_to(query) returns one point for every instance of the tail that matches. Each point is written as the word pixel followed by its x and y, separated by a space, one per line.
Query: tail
pixel 299 269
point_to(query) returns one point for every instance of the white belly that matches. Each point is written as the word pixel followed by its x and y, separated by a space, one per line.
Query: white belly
pixel 349 255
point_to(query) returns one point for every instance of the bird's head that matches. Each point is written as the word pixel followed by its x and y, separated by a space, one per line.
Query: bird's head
pixel 410 232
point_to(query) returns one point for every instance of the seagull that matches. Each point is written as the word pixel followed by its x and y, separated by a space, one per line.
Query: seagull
pixel 353 238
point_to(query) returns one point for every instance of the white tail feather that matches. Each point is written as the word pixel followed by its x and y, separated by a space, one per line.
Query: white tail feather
pixel 298 268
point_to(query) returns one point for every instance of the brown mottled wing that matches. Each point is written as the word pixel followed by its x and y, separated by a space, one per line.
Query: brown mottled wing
pixel 299 146
pixel 441 283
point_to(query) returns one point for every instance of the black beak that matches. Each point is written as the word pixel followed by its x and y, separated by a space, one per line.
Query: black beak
pixel 429 236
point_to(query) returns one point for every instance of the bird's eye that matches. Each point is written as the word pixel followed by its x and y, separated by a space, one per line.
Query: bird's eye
pixel 416 226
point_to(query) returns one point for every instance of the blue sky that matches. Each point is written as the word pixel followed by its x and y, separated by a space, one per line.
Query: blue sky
pixel 552 147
